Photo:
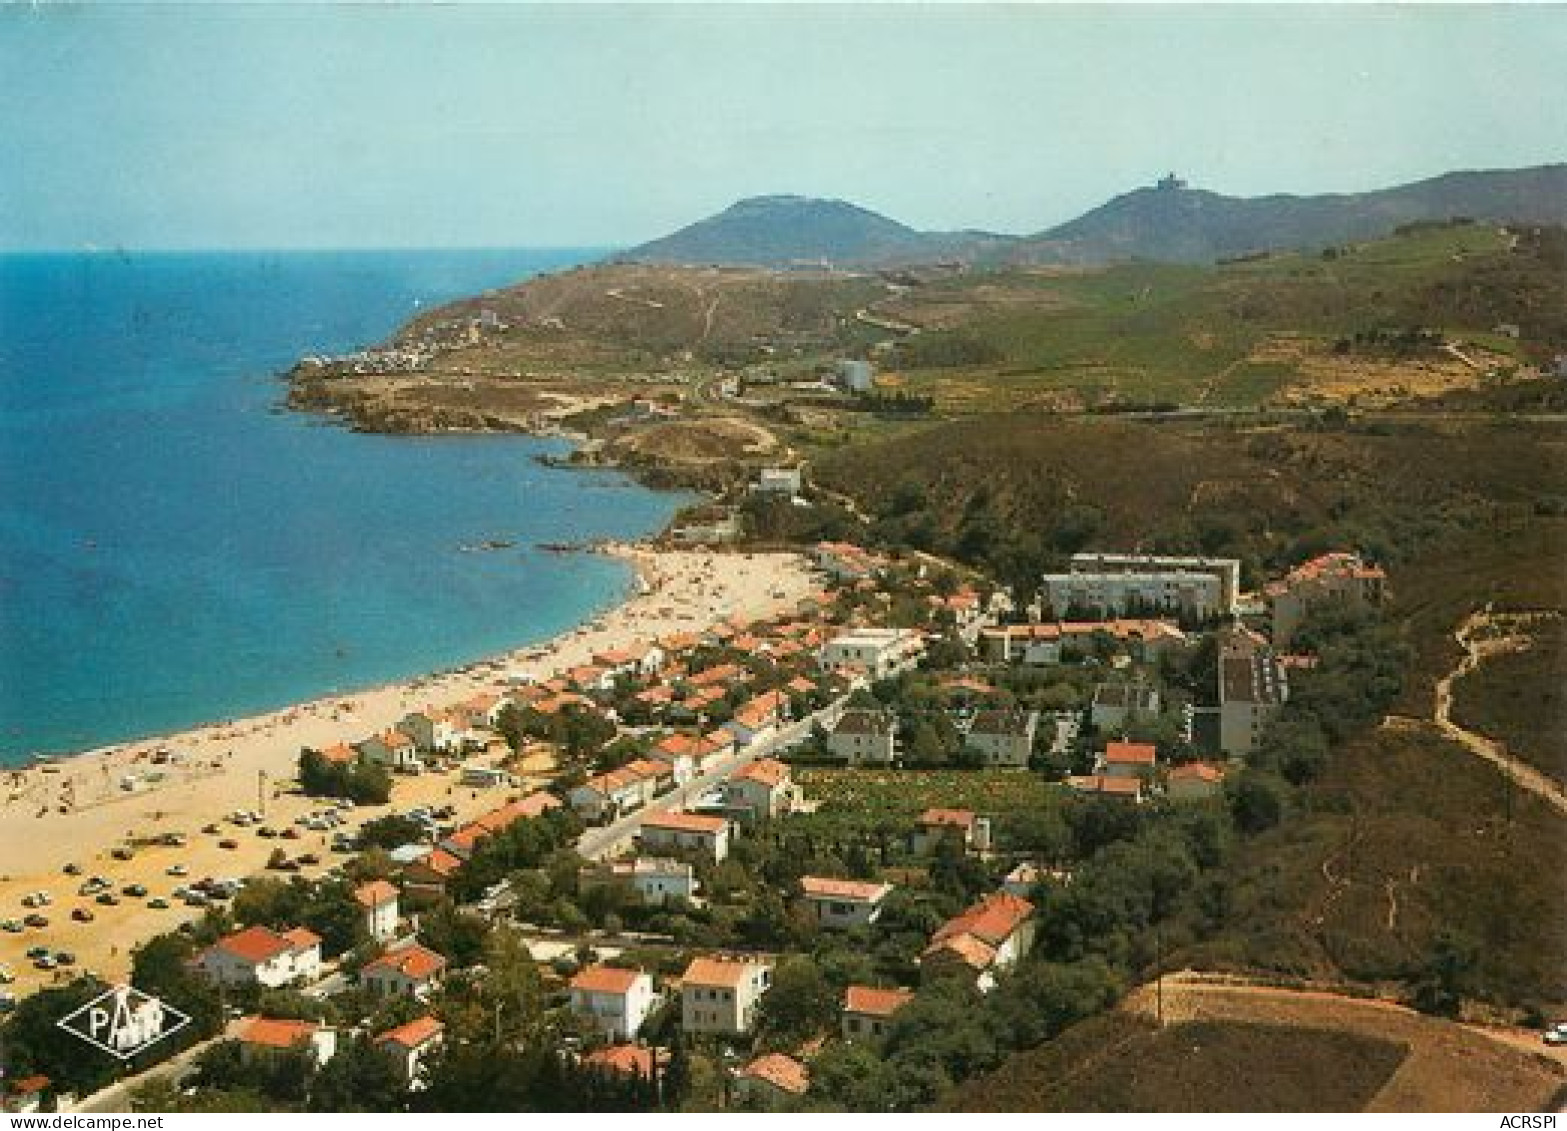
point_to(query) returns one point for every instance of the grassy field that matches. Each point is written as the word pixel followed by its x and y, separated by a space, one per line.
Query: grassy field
pixel 1118 1062
pixel 1520 699
pixel 894 798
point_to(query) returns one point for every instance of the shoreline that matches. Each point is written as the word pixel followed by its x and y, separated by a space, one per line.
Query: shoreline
pixel 74 809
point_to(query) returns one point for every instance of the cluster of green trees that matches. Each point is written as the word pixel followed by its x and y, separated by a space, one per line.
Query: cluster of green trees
pixel 362 781
pixel 576 732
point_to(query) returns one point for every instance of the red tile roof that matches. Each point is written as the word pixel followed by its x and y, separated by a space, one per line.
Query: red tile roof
pixel 874 1002
pixel 727 973
pixel 680 821
pixel 947 818
pixel 256 944
pixel 992 920
pixel 414 1034
pixel 606 980
pixel 820 887
pixel 1197 771
pixel 627 1060
pixel 1130 753
pixel 766 771
pixel 782 1072
pixel 415 962
pixel 375 893
pixel 272 1032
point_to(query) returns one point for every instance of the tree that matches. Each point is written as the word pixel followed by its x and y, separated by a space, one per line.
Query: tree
pixel 361 1076
pixel 1446 976
pixel 1256 800
pixel 799 1004
pixel 391 831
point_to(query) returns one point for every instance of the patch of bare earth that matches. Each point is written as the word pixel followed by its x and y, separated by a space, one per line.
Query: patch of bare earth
pixel 1322 374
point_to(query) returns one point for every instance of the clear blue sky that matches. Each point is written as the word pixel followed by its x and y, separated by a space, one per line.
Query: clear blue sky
pixel 415 125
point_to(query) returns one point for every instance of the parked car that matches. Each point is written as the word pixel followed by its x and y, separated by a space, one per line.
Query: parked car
pixel 228 843
pixel 176 870
pixel 135 891
pixel 64 958
pixel 12 926
pixel 158 904
pixel 83 915
pixel 37 951
pixel 44 962
pixel 36 920
pixel 1555 1034
pixel 73 869
pixel 123 852
pixel 108 899
pixel 290 834
pixel 6 976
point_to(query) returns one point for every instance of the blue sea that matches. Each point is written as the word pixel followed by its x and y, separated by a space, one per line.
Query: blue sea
pixel 175 549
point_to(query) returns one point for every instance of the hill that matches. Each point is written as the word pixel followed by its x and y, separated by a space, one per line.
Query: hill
pixel 1257 1048
pixel 1173 223
pixel 780 231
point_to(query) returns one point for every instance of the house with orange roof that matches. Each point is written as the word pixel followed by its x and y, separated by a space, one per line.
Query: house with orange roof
pixel 603 797
pixel 967 828
pixel 868 1010
pixel 24 1095
pixel 761 790
pixel 615 1000
pixel 758 717
pixel 627 1060
pixel 1103 785
pixel 720 994
pixel 771 1079
pixel 378 903
pixel 392 749
pixel 699 702
pixel 844 561
pixel 410 1045
pixel 261 956
pixel 339 754
pixel 990 937
pixel 678 831
pixel 721 675
pixel 841 904
pixel 1128 759
pixel 411 971
pixel 1340 579
pixel 432 872
pixel 1195 781
pixel 268 1039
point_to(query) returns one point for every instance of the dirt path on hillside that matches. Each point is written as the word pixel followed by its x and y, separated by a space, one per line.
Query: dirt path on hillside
pixel 1449 1067
pixel 1484 634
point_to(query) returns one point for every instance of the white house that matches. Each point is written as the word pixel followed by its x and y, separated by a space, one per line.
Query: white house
pixel 616 1001
pixel 261 956
pixel 441 731
pixel 1002 738
pixel 686 832
pixel 655 878
pixel 841 904
pixel 778 481
pixel 266 1039
pixel 720 995
pixel 988 938
pixel 761 790
pixel 865 737
pixel 393 749
pixel 606 796
pixel 875 652
pixel 410 1045
pixel 868 1011
pixel 378 900
pixel 409 971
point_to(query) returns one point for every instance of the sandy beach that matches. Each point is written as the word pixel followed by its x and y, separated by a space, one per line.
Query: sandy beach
pixel 77 810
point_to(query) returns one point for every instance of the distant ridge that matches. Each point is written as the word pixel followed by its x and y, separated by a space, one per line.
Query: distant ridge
pixel 1173 223
pixel 781 231
pixel 1168 222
